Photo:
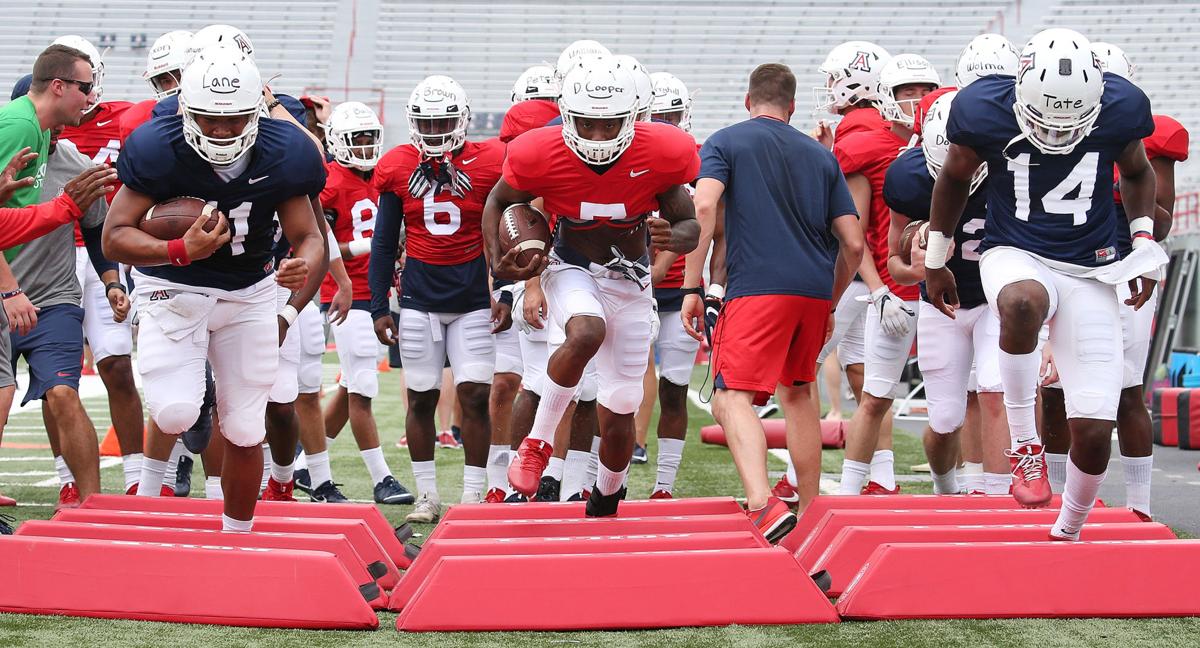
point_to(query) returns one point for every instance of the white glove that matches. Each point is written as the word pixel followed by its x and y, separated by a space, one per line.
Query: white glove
pixel 895 317
pixel 655 323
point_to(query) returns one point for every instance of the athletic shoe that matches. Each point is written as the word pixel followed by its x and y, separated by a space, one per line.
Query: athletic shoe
pixel 661 494
pixel 277 492
pixel 7 501
pixel 875 488
pixel 525 473
pixel 494 496
pixel 768 410
pixel 68 496
pixel 6 525
pixel 585 494
pixel 403 442
pixel 775 520
pixel 639 455
pixel 548 490
pixel 578 497
pixel 786 492
pixel 328 493
pixel 132 490
pixel 1065 537
pixel 183 477
pixel 604 505
pixel 516 498
pixel 457 433
pixel 427 510
pixel 301 479
pixel 389 491
pixel 471 497
pixel 1142 516
pixel 446 441
pixel 1030 486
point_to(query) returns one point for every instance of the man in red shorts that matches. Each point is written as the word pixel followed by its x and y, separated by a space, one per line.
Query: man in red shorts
pixel 792 244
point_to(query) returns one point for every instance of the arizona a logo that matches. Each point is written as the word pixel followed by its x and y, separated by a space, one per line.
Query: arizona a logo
pixel 862 61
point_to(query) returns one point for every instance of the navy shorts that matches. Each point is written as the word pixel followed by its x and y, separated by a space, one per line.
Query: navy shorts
pixel 53 349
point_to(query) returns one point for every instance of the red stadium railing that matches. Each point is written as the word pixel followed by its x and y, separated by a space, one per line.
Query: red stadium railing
pixel 1187 213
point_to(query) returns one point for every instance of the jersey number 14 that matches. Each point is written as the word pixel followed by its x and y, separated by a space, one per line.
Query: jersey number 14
pixel 1082 177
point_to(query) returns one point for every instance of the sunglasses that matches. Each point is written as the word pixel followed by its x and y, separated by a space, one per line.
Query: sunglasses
pixel 84 86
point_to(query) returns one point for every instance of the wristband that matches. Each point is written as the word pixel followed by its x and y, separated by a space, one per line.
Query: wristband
pixel 1141 224
pixel 335 252
pixel 177 252
pixel 506 297
pixel 699 292
pixel 716 290
pixel 271 106
pixel 9 294
pixel 289 314
pixel 937 245
pixel 359 247
pixel 115 284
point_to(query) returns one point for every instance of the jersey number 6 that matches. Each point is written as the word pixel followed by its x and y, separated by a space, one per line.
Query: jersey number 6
pixel 433 208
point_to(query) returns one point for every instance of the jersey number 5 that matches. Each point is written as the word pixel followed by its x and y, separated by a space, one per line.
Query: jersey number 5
pixel 448 208
pixel 1083 177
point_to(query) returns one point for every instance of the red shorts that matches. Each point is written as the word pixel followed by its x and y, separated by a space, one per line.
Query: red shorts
pixel 766 340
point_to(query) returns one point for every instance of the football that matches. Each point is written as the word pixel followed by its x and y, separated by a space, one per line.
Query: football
pixel 170 219
pixel 524 227
pixel 914 231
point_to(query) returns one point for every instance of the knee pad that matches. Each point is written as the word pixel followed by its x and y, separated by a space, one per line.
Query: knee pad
pixel 623 397
pixel 944 421
pixel 365 384
pixel 175 418
pixel 589 387
pixel 244 431
pixel 308 375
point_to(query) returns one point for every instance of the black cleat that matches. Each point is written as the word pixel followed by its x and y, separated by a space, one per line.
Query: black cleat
pixel 639 455
pixel 329 493
pixel 196 438
pixel 390 491
pixel 6 525
pixel 183 476
pixel 303 480
pixel 548 490
pixel 604 505
pixel 516 498
pixel 577 497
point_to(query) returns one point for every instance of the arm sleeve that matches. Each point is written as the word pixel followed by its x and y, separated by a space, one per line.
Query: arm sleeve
pixel 91 239
pixel 385 242
pixel 713 161
pixel 23 224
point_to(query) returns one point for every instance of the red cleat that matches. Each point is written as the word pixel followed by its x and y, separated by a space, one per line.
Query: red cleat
pixel 494 496
pixel 875 488
pixel 585 494
pixel 446 440
pixel 7 501
pixel 68 496
pixel 775 520
pixel 525 474
pixel 661 494
pixel 403 442
pixel 277 492
pixel 1030 486
pixel 132 490
pixel 786 492
pixel 166 491
pixel 1144 517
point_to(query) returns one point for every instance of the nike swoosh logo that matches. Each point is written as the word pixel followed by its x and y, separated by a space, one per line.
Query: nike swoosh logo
pixel 103 123
pixel 466 162
pixel 634 174
pixel 254 180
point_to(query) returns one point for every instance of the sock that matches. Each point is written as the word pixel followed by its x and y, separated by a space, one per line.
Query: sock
pixel 670 454
pixel 318 469
pixel 883 469
pixel 554 402
pixel 971 477
pixel 1019 375
pixel 173 463
pixel 1056 470
pixel 301 461
pixel 854 473
pixel 593 463
pixel 497 467
pixel 376 465
pixel 329 442
pixel 997 483
pixel 64 473
pixel 1137 482
pixel 609 482
pixel 151 482
pixel 574 472
pixel 282 474
pixel 946 484
pixel 212 488
pixel 791 473
pixel 1079 496
pixel 425 475
pixel 266 448
pixel 132 465
pixel 474 478
pixel 230 525
pixel 554 469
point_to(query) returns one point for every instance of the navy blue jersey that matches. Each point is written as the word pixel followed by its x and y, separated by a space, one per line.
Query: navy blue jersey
pixel 908 190
pixel 444 289
pixel 1059 207
pixel 782 192
pixel 168 106
pixel 283 164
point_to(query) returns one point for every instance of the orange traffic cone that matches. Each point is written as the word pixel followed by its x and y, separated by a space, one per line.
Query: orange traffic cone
pixel 109 447
pixel 384 367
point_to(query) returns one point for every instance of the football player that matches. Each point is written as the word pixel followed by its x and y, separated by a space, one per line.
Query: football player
pixel 1049 140
pixel 535 102
pixel 985 55
pixel 164 65
pixel 212 295
pixel 436 187
pixel 596 286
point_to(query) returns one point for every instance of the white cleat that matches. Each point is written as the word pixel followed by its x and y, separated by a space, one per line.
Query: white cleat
pixel 426 511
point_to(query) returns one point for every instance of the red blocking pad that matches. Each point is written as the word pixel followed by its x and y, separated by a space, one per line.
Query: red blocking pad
pixel 435 550
pixel 833 434
pixel 630 508
pixel 333 544
pixel 851 547
pixel 1122 579
pixel 384 533
pixel 237 586
pixel 616 591
pixel 583 526
pixel 356 531
pixel 822 504
pixel 822 536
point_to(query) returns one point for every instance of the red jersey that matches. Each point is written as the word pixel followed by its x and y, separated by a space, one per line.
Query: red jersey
pixel 870 153
pixel 526 116
pixel 354 203
pixel 661 156
pixel 137 114
pixel 859 121
pixel 1169 140
pixel 443 229
pixel 99 139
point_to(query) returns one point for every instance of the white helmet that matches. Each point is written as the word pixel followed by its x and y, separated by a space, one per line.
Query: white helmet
pixel 538 82
pixel 345 122
pixel 671 95
pixel 84 45
pixel 220 81
pixel 851 75
pixel 166 56
pixel 643 83
pixel 1059 87
pixel 902 70
pixel 598 88
pixel 575 52
pixel 935 144
pixel 219 35
pixel 986 54
pixel 1113 59
pixel 438 98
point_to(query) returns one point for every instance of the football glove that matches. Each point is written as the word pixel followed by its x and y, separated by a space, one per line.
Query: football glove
pixel 895 317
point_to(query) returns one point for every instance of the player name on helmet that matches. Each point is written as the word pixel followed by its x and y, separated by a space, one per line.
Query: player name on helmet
pixel 599 90
pixel 435 93
pixel 1060 103
pixel 985 66
pixel 223 85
